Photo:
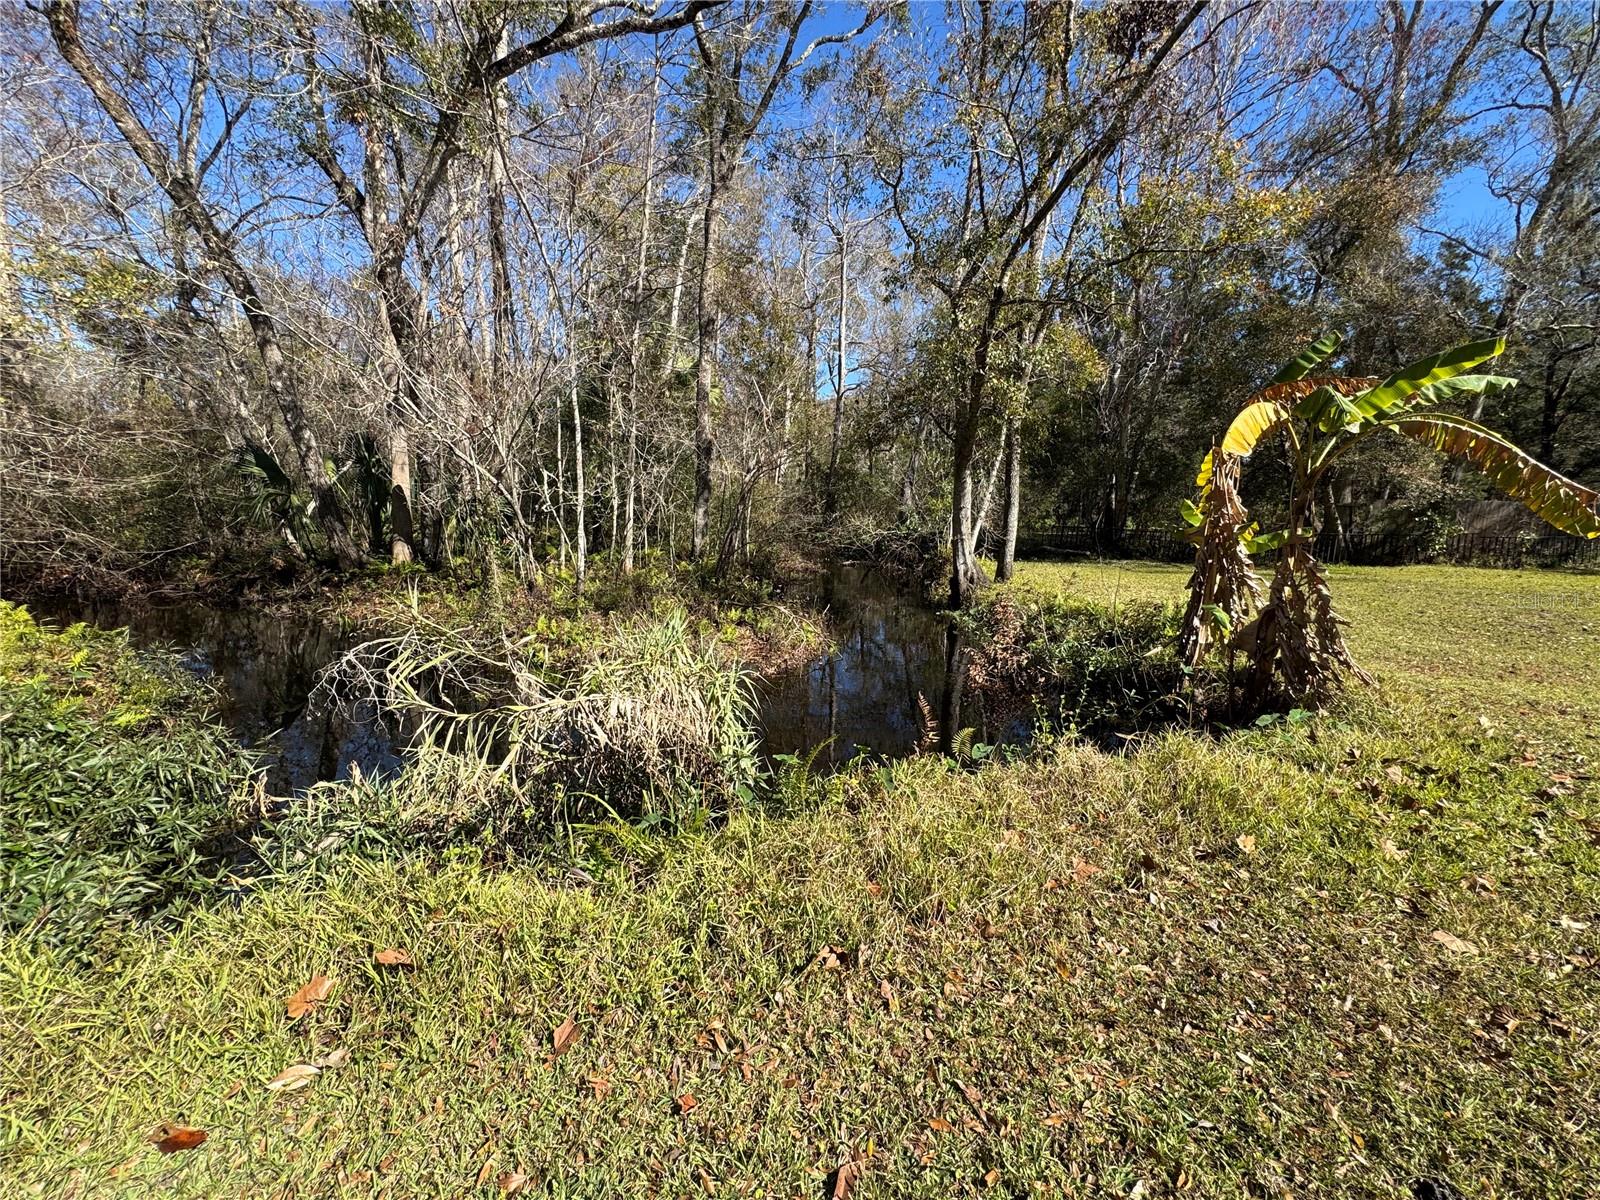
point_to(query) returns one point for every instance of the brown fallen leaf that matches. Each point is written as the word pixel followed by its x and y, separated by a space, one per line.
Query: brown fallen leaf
pixel 1246 843
pixel 1083 870
pixel 1395 774
pixel 600 1084
pixel 1390 850
pixel 563 1037
pixel 687 1103
pixel 395 956
pixel 844 1179
pixel 1055 1119
pixel 874 889
pixel 308 997
pixel 332 1059
pixel 992 1178
pixel 512 1182
pixel 940 1125
pixel 169 1139
pixel 291 1078
pixel 1453 944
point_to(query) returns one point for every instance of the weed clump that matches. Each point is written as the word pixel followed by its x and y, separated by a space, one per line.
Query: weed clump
pixel 640 719
pixel 1094 668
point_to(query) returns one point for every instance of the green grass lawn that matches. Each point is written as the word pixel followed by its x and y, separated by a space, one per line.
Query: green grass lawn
pixel 1322 960
pixel 1520 647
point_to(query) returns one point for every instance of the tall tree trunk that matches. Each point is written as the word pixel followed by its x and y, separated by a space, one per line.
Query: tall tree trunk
pixel 1005 565
pixel 580 542
pixel 399 305
pixel 838 386
pixel 964 574
pixel 705 354
pixel 637 335
pixel 504 323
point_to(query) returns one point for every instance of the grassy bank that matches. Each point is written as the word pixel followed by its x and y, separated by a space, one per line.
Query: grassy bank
pixel 1320 959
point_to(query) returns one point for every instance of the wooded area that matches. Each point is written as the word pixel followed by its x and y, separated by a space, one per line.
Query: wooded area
pixel 508 289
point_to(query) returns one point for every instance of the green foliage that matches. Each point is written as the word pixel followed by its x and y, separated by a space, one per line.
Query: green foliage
pixel 120 799
pixel 1093 667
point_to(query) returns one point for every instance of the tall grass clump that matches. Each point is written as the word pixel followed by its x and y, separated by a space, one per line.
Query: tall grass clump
pixel 120 799
pixel 638 719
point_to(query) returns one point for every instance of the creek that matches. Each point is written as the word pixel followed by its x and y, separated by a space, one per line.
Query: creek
pixel 873 692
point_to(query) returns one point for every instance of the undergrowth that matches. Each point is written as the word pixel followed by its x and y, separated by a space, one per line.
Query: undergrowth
pixel 120 799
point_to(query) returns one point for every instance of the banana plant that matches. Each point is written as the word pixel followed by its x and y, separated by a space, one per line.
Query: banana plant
pixel 1293 638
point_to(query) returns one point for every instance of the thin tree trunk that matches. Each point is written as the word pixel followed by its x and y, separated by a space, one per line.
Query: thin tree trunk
pixel 635 347
pixel 705 355
pixel 981 525
pixel 504 323
pixel 1005 565
pixel 580 541
pixel 838 387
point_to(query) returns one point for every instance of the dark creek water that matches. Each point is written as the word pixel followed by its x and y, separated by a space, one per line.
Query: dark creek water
pixel 865 697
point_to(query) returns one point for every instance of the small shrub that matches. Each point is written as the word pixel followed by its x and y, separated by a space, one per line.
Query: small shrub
pixel 1091 667
pixel 121 800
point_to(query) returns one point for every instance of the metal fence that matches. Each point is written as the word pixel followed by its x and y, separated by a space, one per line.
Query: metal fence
pixel 1395 548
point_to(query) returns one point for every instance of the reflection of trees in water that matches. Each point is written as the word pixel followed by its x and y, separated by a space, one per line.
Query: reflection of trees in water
pixel 266 666
pixel 868 693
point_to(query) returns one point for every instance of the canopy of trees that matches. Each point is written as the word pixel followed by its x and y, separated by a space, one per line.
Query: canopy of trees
pixel 506 288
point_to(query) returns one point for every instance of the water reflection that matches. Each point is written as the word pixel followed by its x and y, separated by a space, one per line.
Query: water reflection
pixel 892 683
pixel 886 688
pixel 266 664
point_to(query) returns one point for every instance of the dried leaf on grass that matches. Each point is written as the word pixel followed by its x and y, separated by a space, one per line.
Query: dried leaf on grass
pixel 395 956
pixel 845 1178
pixel 169 1139
pixel 292 1078
pixel 564 1036
pixel 308 997
pixel 1453 944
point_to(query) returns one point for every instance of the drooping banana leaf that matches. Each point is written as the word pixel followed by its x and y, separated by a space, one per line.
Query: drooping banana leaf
pixel 1426 373
pixel 1310 358
pixel 1463 385
pixel 1202 479
pixel 1562 502
pixel 1327 409
pixel 1252 424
